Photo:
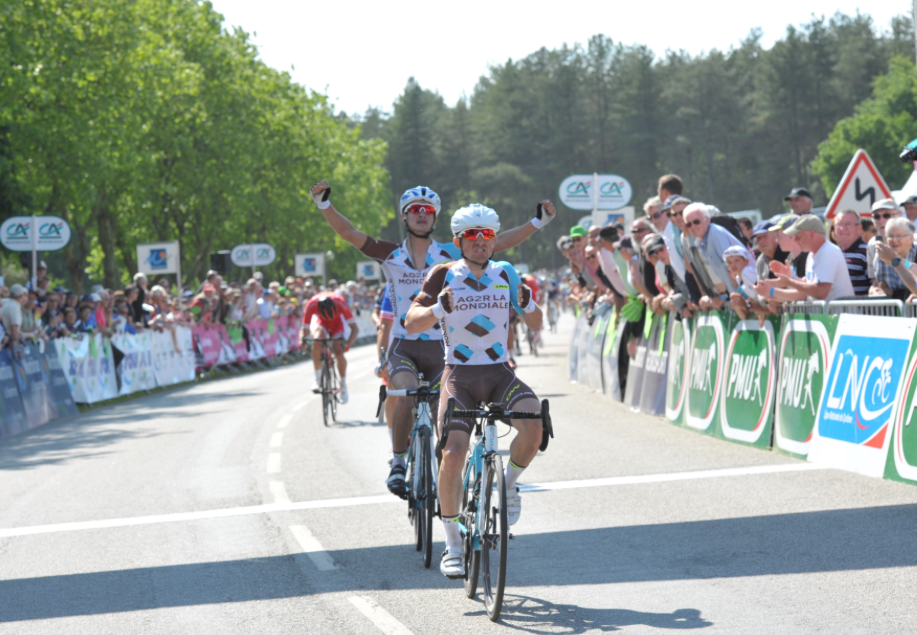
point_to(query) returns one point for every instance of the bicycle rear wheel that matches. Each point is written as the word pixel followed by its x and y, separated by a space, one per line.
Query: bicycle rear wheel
pixel 334 391
pixel 426 497
pixel 412 478
pixel 472 557
pixel 494 536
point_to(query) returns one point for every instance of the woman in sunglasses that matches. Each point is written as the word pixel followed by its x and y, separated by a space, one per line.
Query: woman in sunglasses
pixel 406 265
pixel 471 299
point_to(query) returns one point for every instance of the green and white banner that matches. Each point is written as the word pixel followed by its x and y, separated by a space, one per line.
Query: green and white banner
pixel 747 402
pixel 705 377
pixel 676 387
pixel 901 464
pixel 803 364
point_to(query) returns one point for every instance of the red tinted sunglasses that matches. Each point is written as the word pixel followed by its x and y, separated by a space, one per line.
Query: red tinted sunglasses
pixel 472 234
pixel 418 208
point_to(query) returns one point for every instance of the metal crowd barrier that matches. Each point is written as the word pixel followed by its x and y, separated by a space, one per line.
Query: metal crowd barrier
pixel 910 309
pixel 817 307
pixel 884 307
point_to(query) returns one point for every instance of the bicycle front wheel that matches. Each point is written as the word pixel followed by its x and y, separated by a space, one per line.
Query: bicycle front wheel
pixel 470 502
pixel 494 536
pixel 427 497
pixel 327 395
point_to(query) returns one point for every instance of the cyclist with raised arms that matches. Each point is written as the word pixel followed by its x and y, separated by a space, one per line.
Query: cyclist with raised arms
pixel 323 318
pixel 471 299
pixel 406 265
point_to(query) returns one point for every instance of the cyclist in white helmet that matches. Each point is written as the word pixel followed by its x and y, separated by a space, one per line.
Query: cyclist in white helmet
pixel 471 299
pixel 406 265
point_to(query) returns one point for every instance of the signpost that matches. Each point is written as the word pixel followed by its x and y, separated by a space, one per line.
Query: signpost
pixel 18 233
pixel 605 195
pixel 310 265
pixel 254 255
pixel 861 186
pixel 155 258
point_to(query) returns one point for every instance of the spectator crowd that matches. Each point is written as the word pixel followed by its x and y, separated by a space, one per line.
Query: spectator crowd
pixel 36 312
pixel 687 256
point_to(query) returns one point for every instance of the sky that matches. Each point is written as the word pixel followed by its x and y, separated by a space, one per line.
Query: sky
pixel 361 53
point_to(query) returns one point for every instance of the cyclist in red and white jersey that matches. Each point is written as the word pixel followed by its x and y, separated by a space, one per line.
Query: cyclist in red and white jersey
pixel 324 318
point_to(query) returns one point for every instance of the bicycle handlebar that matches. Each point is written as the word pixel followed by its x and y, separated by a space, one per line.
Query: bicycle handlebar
pixel 413 392
pixel 506 414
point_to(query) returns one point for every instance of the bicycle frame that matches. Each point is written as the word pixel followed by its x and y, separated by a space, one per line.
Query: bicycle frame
pixel 485 444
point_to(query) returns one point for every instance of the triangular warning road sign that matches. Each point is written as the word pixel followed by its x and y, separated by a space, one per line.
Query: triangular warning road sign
pixel 861 186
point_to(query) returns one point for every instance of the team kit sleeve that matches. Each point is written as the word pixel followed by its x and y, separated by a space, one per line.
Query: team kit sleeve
pixel 346 314
pixel 378 250
pixel 514 283
pixel 433 285
pixel 386 312
pixel 309 312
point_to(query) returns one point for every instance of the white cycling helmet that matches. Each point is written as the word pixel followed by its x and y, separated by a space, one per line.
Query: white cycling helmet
pixel 420 194
pixel 474 216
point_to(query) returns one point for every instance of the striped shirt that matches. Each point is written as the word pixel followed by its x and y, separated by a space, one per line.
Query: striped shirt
pixel 855 255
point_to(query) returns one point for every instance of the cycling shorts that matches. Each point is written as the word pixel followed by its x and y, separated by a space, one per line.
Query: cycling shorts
pixel 470 385
pixel 333 330
pixel 415 357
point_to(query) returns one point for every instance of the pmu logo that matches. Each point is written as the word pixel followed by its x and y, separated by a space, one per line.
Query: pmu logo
pixel 863 384
pixel 701 365
pixel 796 377
pixel 579 189
pixel 158 259
pixel 745 377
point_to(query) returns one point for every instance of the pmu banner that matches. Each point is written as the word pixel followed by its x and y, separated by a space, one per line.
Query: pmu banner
pixel 803 362
pixel 594 347
pixel 857 409
pixel 901 463
pixel 611 347
pixel 137 369
pixel 750 383
pixel 705 377
pixel 89 366
pixel 633 390
pixel 676 387
pixel 652 400
pixel 573 358
pixel 13 419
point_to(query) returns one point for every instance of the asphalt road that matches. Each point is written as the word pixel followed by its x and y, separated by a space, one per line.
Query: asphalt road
pixel 228 507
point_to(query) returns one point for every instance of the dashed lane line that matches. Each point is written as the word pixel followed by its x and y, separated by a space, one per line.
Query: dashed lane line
pixel 278 491
pixel 313 548
pixel 285 420
pixel 277 439
pixel 300 405
pixel 273 463
pixel 388 498
pixel 383 620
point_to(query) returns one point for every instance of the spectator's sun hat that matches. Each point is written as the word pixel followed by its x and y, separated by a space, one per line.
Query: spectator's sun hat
pixel 609 232
pixel 669 201
pixel 796 192
pixel 761 227
pixel 885 203
pixel 735 250
pixel 654 245
pixel 784 222
pixel 577 231
pixel 17 290
pixel 626 243
pixel 806 221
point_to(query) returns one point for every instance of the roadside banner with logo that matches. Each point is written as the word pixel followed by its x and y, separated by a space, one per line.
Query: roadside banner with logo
pixel 293 326
pixel 652 400
pixel 154 258
pixel 749 384
pixel 705 377
pixel 573 357
pixel 207 346
pixel 254 255
pixel 173 355
pixel 803 363
pixel 239 342
pixel 633 389
pixel 270 338
pixel 16 233
pixel 27 368
pixel 256 332
pixel 676 387
pixel 901 463
pixel 307 265
pixel 136 370
pixel 13 419
pixel 582 345
pixel 89 366
pixel 57 392
pixel 856 413
pixel 594 348
pixel 611 347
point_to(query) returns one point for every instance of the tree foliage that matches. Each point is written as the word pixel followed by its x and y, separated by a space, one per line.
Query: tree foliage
pixel 144 120
pixel 741 127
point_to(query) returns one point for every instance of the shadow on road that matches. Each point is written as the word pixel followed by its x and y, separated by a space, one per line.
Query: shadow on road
pixel 532 615
pixel 785 544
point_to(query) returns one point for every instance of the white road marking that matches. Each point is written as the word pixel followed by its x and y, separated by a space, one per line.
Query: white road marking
pixel 313 548
pixel 285 419
pixel 276 439
pixel 278 491
pixel 384 620
pixel 388 498
pixel 273 463
pixel 300 405
pixel 673 476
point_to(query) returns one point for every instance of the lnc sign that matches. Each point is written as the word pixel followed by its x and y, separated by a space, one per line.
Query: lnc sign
pixel 595 192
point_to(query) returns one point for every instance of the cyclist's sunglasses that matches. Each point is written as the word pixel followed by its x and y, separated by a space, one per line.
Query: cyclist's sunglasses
pixel 877 215
pixel 419 208
pixel 472 234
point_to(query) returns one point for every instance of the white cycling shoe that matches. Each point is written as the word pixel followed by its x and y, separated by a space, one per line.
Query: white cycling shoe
pixel 342 394
pixel 452 564
pixel 513 505
pixel 315 387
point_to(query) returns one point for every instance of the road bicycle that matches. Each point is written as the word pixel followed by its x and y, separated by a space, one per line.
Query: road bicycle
pixel 553 312
pixel 328 385
pixel 483 521
pixel 421 471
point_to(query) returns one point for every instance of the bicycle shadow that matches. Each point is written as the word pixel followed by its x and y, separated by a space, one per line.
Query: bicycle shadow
pixel 534 615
